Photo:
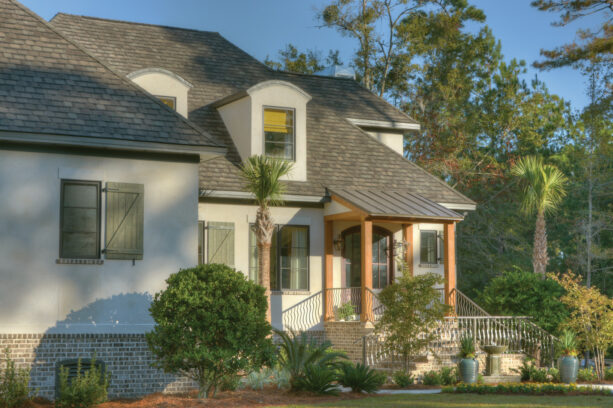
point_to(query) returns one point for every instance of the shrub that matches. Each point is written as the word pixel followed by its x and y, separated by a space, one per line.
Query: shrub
pixel 345 311
pixel 402 379
pixel 360 377
pixel 230 383
pixel 299 351
pixel 524 293
pixel 526 370
pixel 448 376
pixel 256 380
pixel 553 375
pixel 608 374
pixel 86 389
pixel 14 391
pixel 587 375
pixel 539 375
pixel 206 335
pixel 318 378
pixel 432 378
pixel 467 346
pixel 526 388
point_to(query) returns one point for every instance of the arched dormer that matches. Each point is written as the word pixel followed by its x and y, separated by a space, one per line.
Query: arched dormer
pixel 169 87
pixel 269 118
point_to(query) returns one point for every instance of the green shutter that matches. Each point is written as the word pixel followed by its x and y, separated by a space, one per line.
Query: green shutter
pixel 124 220
pixel 200 242
pixel 220 246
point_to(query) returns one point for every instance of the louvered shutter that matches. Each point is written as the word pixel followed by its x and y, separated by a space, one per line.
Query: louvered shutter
pixel 124 220
pixel 220 243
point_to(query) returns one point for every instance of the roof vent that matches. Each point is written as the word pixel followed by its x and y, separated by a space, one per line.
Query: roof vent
pixel 337 71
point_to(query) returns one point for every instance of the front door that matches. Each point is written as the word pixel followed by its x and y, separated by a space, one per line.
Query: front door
pixel 352 258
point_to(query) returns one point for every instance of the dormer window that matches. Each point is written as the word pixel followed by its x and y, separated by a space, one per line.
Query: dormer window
pixel 279 133
pixel 169 101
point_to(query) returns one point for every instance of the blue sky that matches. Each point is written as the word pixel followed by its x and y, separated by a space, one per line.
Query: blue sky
pixel 262 27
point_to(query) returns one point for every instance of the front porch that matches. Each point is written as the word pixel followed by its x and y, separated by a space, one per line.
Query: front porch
pixel 371 237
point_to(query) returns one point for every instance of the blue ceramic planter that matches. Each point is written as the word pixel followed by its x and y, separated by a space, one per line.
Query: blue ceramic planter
pixel 569 366
pixel 469 370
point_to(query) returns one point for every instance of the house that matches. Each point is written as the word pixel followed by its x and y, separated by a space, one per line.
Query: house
pixel 120 147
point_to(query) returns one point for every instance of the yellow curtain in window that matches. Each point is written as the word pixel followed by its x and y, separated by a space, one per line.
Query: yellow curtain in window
pixel 276 121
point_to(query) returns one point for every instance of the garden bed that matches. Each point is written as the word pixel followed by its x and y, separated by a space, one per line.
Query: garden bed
pixel 270 396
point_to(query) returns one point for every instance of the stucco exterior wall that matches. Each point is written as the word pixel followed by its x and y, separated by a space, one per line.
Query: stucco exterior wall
pixel 393 140
pixel 163 84
pixel 37 295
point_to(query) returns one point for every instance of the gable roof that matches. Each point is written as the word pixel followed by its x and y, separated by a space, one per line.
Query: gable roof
pixel 339 154
pixel 49 85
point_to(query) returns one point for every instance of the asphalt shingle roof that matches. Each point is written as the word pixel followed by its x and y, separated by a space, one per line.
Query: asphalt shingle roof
pixel 50 85
pixel 339 154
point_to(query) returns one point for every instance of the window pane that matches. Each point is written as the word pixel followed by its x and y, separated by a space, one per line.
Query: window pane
pixel 428 247
pixel 80 220
pixel 294 257
pixel 279 133
pixel 80 195
pixel 79 245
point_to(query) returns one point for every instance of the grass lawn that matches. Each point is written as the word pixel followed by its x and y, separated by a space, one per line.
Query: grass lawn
pixel 473 400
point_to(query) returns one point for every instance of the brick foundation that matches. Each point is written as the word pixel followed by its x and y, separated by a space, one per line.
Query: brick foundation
pixel 126 356
pixel 347 337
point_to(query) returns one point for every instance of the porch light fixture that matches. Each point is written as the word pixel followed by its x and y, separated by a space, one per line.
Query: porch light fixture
pixel 397 247
pixel 338 243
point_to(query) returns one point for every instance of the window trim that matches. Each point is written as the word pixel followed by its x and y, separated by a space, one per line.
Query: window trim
pixel 172 98
pixel 293 110
pixel 436 248
pixel 98 185
pixel 278 228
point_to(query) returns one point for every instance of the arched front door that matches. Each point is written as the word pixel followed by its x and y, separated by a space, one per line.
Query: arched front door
pixel 352 257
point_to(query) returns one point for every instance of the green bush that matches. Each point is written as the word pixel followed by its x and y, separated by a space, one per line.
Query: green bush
pixel 360 377
pixel 319 379
pixel 553 375
pixel 449 376
pixel 14 391
pixel 256 380
pixel 230 383
pixel 210 324
pixel 86 389
pixel 539 375
pixel 531 373
pixel 345 311
pixel 608 374
pixel 524 293
pixel 299 351
pixel 526 370
pixel 526 388
pixel 432 378
pixel 587 374
pixel 402 379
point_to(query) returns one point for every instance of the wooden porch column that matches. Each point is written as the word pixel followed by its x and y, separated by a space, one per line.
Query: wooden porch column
pixel 328 282
pixel 366 252
pixel 407 236
pixel 449 260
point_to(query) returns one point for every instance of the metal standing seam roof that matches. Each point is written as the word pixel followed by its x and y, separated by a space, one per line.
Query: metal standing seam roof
pixel 395 204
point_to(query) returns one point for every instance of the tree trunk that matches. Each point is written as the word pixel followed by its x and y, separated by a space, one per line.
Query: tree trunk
pixel 264 270
pixel 539 255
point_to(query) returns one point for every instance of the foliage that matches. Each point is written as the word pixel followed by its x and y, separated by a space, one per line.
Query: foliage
pixel 262 176
pixel 256 380
pixel 14 391
pixel 230 383
pixel 587 375
pixel 526 388
pixel 412 310
pixel 449 375
pixel 86 389
pixel 526 370
pixel 345 311
pixel 591 317
pixel 309 62
pixel 432 378
pixel 360 377
pixel 318 378
pixel 568 344
pixel 467 346
pixel 608 374
pixel 299 351
pixel 402 379
pixel 522 293
pixel 553 375
pixel 206 335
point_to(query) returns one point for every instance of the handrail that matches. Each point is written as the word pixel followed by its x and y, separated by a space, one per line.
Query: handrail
pixel 304 314
pixel 465 306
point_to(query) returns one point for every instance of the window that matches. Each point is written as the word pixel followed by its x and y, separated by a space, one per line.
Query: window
pixel 220 243
pixel 429 246
pixel 169 101
pixel 80 219
pixel 289 258
pixel 382 271
pixel 279 133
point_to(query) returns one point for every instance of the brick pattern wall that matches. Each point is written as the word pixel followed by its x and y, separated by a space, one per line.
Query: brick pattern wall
pixel 347 336
pixel 126 356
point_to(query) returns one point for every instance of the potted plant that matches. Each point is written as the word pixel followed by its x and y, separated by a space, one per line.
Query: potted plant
pixel 469 366
pixel 345 312
pixel 568 364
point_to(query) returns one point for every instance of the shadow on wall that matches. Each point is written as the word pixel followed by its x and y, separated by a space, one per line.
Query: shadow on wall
pixel 114 330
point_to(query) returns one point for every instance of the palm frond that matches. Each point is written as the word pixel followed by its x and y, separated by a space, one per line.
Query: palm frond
pixel 543 185
pixel 262 176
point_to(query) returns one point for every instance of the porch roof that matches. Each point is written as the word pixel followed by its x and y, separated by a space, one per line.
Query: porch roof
pixel 394 204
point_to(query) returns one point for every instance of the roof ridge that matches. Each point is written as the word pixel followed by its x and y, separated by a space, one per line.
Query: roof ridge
pixel 113 20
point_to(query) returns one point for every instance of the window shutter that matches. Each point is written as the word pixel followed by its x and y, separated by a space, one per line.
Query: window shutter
pixel 124 220
pixel 220 246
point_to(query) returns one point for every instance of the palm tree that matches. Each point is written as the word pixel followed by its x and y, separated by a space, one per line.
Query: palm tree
pixel 544 189
pixel 263 179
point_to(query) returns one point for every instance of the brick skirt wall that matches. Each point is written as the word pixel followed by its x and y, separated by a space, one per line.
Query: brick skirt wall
pixel 126 356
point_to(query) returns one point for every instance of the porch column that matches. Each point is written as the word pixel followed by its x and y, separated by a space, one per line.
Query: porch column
pixel 366 252
pixel 407 236
pixel 449 260
pixel 328 283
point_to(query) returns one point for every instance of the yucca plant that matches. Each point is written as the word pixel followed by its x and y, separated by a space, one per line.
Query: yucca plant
pixel 300 351
pixel 318 378
pixel 568 343
pixel 467 346
pixel 360 377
